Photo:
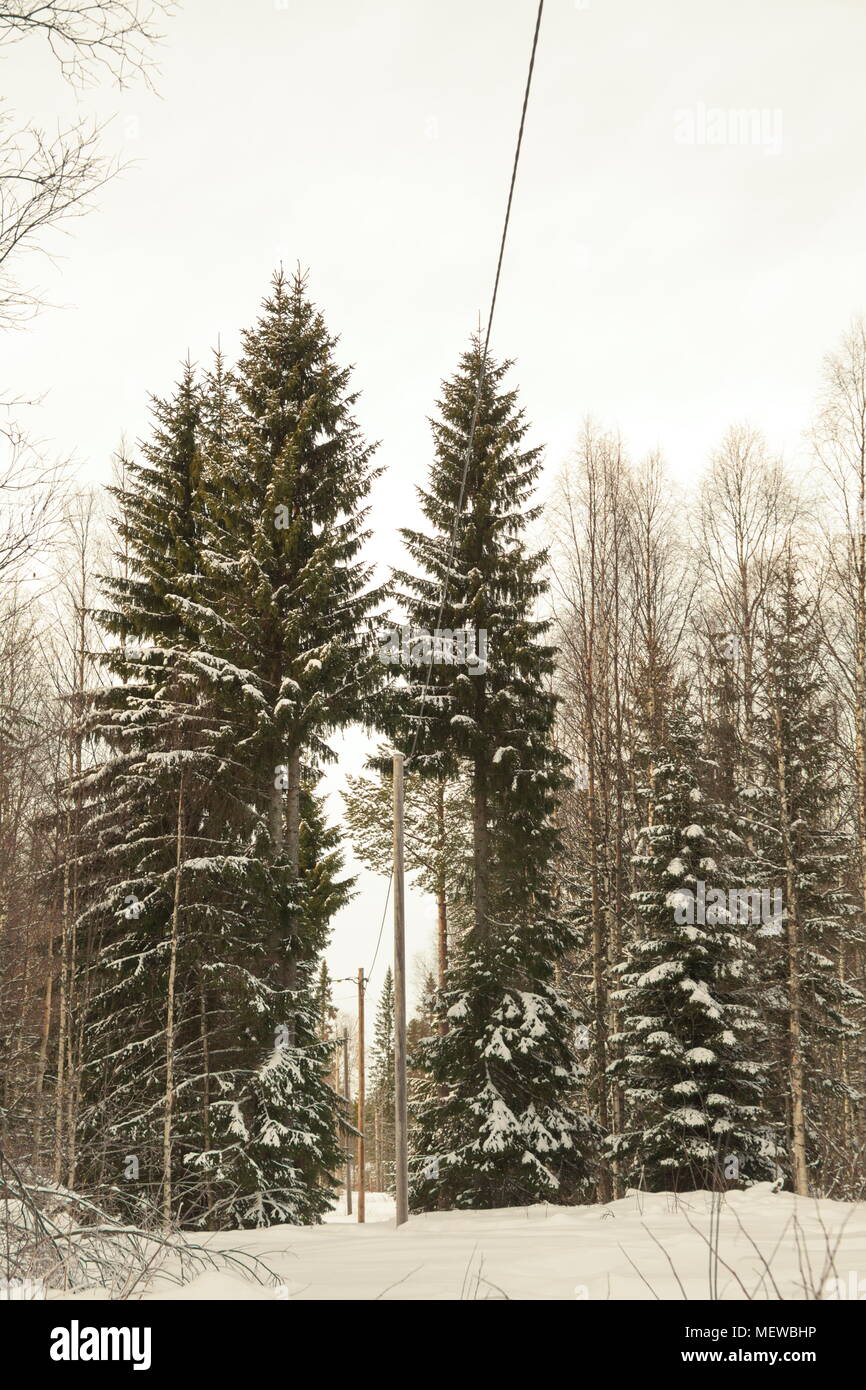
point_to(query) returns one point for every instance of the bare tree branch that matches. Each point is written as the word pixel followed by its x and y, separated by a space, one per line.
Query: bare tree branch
pixel 89 40
pixel 43 182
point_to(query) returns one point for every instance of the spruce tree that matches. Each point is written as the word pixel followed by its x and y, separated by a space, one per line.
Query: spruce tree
pixel 285 613
pixel 287 601
pixel 243 622
pixel 155 793
pixel 690 1066
pixel 498 1125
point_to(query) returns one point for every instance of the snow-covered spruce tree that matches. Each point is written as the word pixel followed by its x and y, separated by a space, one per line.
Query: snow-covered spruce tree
pixel 792 818
pixel 286 603
pixel 191 902
pixel 272 1118
pixel 149 807
pixel 283 613
pixel 694 1087
pixel 499 1124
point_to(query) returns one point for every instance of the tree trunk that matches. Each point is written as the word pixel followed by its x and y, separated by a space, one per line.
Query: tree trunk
pixel 42 1061
pixel 205 1044
pixel 599 990
pixel 276 814
pixel 169 1024
pixel 480 850
pixel 62 1022
pixel 293 810
pixel 797 1155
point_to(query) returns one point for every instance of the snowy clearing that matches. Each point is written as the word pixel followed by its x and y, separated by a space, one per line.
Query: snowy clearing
pixel 774 1245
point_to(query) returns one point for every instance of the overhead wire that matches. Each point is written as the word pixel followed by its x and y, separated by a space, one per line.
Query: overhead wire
pixel 467 457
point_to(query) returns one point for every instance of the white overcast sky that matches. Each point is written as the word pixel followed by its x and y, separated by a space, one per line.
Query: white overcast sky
pixel 667 288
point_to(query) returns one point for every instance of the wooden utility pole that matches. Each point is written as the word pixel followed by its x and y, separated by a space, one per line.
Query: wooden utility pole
pixel 362 1179
pixel 345 1041
pixel 401 1138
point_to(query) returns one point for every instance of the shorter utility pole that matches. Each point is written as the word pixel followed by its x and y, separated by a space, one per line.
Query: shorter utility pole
pixel 345 1042
pixel 362 1177
pixel 401 1135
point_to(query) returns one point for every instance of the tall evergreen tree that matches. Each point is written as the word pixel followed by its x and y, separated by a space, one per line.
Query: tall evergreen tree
pixel 284 612
pixel 499 1124
pixel 250 609
pixel 287 599
pixel 143 812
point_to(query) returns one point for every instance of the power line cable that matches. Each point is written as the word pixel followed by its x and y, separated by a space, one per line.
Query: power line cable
pixel 455 531
pixel 483 369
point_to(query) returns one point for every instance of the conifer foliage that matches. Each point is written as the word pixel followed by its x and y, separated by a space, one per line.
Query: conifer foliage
pixel 497 1121
pixel 690 1041
pixel 243 619
pixel 800 852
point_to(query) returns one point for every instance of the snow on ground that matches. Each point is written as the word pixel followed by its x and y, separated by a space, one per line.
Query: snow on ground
pixel 379 1206
pixel 641 1247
